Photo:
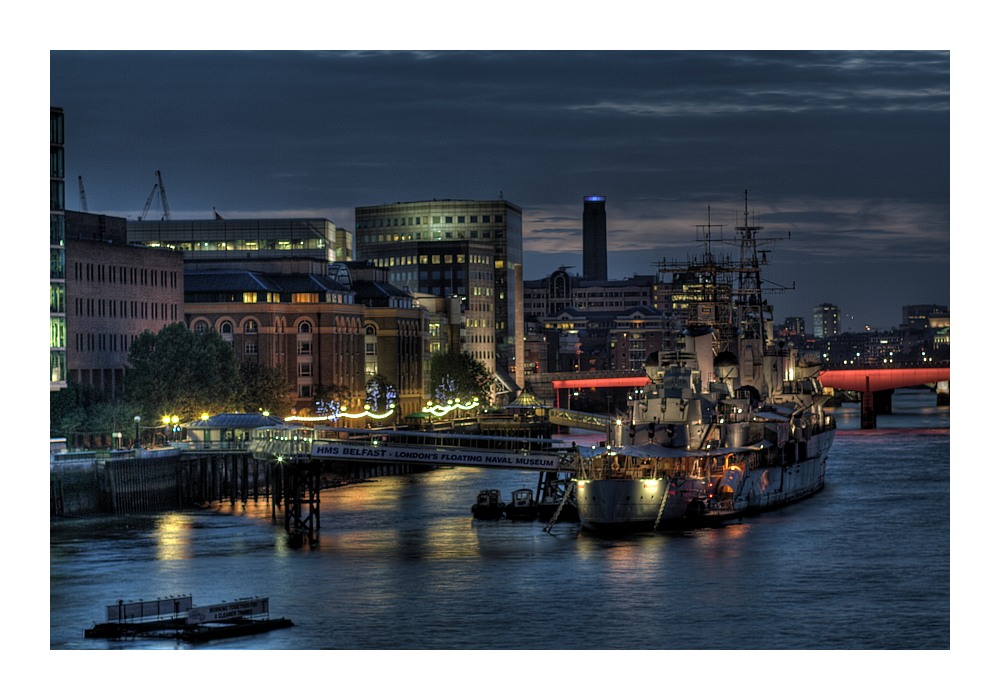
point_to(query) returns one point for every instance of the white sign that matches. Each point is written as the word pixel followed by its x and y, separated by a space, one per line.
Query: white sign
pixel 227 611
pixel 433 455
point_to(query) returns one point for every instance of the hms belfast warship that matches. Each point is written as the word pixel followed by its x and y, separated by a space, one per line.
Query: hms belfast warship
pixel 731 423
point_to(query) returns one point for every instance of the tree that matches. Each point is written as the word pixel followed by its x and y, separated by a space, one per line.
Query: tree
pixel 69 409
pixel 264 388
pixel 179 372
pixel 458 375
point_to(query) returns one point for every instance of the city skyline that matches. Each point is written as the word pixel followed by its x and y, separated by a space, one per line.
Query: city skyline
pixel 846 152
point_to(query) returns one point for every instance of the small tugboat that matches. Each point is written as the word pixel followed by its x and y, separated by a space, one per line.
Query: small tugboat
pixel 522 505
pixel 488 505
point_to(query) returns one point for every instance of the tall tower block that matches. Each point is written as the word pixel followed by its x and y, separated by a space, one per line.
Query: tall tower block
pixel 595 238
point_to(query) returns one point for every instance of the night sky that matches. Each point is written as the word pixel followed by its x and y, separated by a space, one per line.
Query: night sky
pixel 847 151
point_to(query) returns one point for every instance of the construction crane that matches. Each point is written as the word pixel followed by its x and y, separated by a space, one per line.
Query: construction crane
pixel 163 196
pixel 157 187
pixel 83 195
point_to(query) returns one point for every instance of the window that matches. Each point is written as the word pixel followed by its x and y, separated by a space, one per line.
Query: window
pixel 226 328
pixel 305 327
pixel 305 347
pixel 250 327
pixel 305 369
pixel 201 327
pixel 249 297
pixel 250 347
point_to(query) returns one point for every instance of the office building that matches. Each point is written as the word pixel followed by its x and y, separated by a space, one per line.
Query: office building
pixel 114 292
pixel 826 320
pixel 595 238
pixel 469 249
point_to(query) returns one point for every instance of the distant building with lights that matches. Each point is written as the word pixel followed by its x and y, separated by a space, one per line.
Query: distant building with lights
pixel 826 320
pixel 570 320
pixel 793 327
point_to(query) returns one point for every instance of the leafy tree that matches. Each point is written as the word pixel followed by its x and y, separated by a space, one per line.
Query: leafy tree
pixel 109 417
pixel 264 388
pixel 458 375
pixel 68 410
pixel 179 372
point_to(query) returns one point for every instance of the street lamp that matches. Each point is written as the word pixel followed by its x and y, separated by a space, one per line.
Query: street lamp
pixel 138 442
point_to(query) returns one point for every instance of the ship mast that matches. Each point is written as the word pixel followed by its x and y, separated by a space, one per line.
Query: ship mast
pixel 748 296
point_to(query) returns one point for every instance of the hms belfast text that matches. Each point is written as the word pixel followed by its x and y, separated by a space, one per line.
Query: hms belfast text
pixel 732 421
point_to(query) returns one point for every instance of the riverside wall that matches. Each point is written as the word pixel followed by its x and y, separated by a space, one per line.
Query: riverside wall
pixel 89 483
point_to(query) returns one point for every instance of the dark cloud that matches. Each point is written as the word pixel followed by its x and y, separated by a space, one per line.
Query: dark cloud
pixel 847 150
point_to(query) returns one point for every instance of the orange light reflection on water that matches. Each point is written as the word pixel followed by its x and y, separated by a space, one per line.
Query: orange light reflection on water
pixel 173 537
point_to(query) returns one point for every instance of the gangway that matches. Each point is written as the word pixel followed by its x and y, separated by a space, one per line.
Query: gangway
pixel 578 419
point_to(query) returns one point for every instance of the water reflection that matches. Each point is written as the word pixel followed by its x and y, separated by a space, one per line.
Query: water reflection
pixel 172 536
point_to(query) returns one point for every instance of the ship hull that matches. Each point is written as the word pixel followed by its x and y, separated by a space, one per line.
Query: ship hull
pixel 616 505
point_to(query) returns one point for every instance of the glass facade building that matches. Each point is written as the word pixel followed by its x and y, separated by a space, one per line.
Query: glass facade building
pixel 57 251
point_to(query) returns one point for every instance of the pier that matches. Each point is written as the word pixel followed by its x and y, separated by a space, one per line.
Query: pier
pixel 286 464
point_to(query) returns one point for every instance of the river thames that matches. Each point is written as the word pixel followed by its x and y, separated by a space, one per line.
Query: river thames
pixel 401 565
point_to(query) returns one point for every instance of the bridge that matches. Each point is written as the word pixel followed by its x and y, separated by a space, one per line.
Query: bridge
pixel 882 379
pixel 875 384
